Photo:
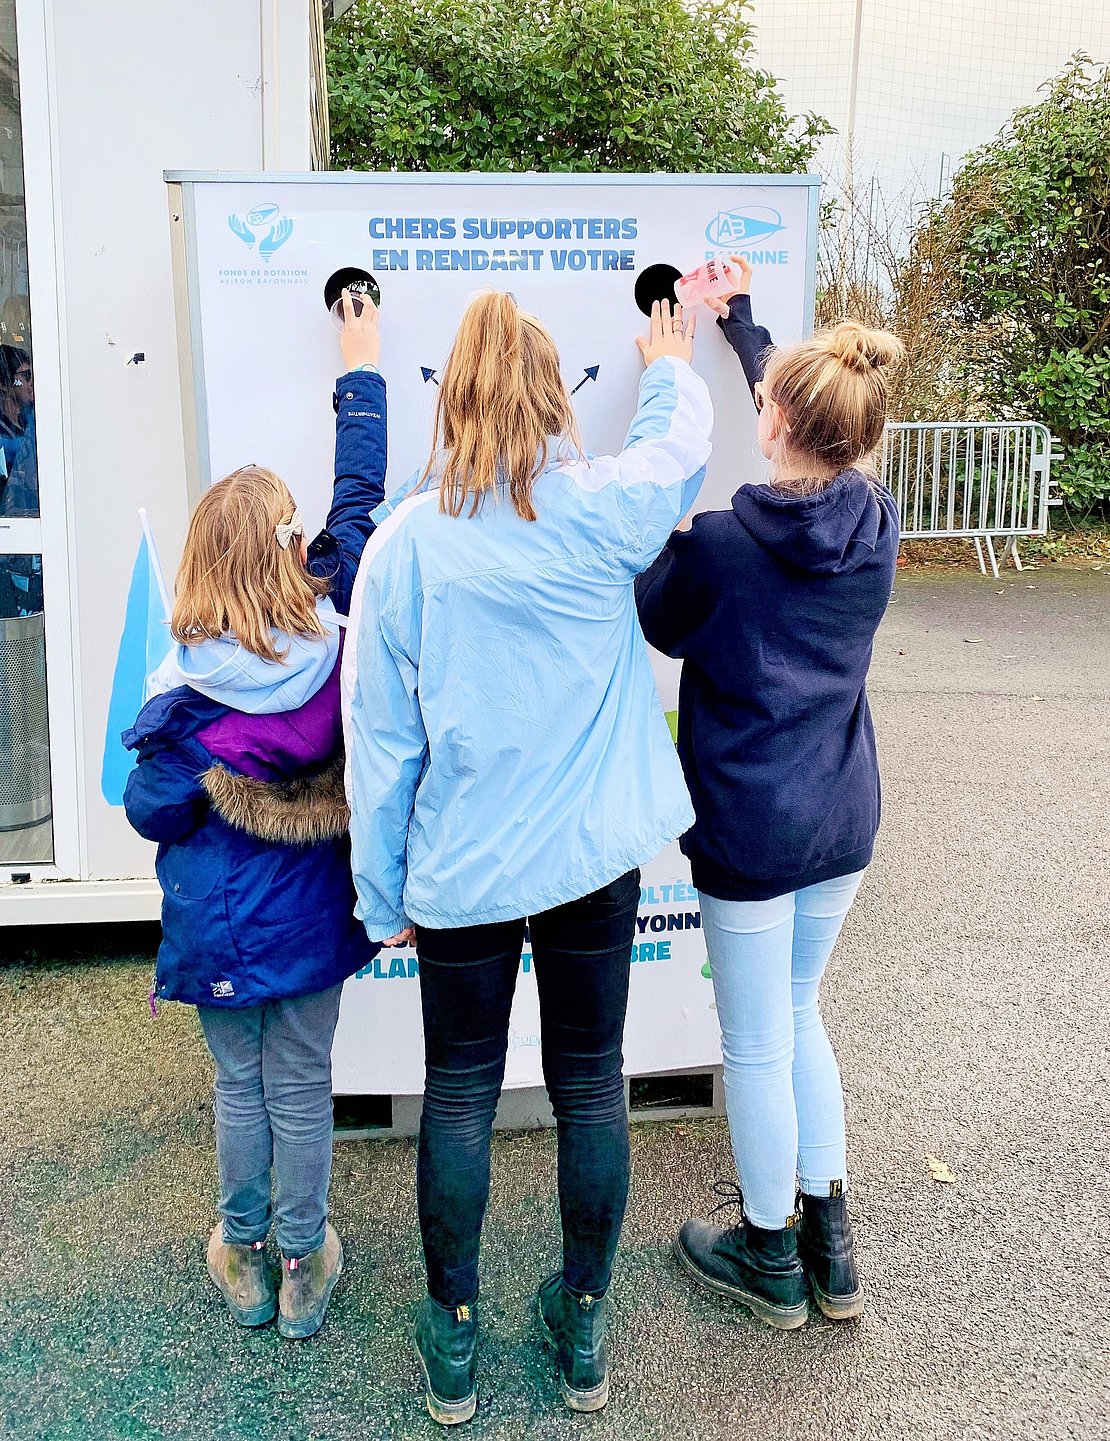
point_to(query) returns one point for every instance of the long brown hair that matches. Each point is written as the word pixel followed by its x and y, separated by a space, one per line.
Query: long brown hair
pixel 832 391
pixel 234 576
pixel 501 402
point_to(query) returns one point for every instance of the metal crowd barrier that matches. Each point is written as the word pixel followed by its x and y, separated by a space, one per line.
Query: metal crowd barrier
pixel 983 481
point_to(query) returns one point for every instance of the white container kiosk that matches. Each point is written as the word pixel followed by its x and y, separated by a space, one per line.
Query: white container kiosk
pixel 97 100
pixel 260 353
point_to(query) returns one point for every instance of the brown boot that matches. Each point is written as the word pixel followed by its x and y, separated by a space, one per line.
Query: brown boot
pixel 243 1279
pixel 306 1286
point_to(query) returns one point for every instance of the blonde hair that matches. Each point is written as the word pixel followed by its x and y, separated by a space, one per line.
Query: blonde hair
pixel 832 391
pixel 501 402
pixel 235 577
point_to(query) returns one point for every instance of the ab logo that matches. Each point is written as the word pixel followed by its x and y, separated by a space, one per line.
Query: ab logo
pixel 738 229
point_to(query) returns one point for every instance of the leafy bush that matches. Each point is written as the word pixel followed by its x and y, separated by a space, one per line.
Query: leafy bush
pixel 1017 262
pixel 582 85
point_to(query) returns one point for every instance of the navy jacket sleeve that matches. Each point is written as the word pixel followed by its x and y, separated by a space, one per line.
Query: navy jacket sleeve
pixel 163 798
pixel 750 341
pixel 360 458
pixel 675 594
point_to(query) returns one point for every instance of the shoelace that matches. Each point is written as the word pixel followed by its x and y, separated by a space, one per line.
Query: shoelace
pixel 733 1196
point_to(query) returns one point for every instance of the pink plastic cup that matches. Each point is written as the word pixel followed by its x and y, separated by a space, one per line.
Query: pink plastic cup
pixel 715 277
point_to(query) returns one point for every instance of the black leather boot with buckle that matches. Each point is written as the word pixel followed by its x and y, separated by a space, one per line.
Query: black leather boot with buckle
pixel 757 1267
pixel 827 1250
pixel 446 1339
pixel 575 1327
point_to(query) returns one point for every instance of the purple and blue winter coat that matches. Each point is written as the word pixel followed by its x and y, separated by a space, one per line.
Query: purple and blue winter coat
pixel 240 777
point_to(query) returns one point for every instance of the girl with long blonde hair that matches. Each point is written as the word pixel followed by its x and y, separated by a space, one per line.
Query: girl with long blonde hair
pixel 772 607
pixel 500 670
pixel 239 779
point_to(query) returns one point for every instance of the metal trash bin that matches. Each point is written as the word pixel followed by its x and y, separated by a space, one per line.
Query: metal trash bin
pixel 24 738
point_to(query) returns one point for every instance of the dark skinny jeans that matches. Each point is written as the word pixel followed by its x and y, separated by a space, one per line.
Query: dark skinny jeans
pixel 580 953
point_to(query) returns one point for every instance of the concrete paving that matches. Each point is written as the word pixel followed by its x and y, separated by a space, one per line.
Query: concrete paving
pixel 969 1002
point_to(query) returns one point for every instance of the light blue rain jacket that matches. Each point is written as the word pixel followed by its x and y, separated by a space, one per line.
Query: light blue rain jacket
pixel 506 748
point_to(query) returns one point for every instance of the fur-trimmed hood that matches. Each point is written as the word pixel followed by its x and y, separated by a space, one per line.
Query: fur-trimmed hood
pixel 302 811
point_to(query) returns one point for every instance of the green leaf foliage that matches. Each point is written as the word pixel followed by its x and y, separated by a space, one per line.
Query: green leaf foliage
pixel 567 85
pixel 1024 239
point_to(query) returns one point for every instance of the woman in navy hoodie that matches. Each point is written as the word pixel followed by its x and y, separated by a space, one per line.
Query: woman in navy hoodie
pixel 240 781
pixel 772 606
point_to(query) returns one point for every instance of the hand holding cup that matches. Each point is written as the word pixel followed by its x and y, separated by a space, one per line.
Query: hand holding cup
pixel 739 267
pixel 360 338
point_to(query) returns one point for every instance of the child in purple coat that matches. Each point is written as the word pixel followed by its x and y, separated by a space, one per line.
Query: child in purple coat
pixel 240 781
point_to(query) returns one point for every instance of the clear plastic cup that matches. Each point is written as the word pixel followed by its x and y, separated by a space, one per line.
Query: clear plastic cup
pixel 358 289
pixel 715 277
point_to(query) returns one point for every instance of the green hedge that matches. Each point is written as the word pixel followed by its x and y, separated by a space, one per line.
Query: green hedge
pixel 591 85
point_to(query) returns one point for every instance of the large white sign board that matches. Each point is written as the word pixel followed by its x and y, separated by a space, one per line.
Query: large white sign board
pixel 259 252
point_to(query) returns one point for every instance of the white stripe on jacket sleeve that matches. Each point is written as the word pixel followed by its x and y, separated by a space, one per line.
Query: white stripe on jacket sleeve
pixel 661 468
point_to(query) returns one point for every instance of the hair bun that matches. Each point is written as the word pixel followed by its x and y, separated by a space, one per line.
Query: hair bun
pixel 860 348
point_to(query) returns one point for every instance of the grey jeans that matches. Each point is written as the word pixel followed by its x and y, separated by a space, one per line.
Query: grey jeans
pixel 273 1117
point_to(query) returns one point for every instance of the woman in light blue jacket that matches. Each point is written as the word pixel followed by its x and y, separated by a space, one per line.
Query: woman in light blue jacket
pixel 510 764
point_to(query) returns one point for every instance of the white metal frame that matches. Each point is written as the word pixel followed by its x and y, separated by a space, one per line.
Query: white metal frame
pixel 51 536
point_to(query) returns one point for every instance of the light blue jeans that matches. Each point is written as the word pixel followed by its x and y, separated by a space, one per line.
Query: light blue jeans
pixel 782 1084
pixel 274 1117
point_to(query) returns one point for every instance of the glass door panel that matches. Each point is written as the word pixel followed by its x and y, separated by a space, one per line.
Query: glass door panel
pixel 26 834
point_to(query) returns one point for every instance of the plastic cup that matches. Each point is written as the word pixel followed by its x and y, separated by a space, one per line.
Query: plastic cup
pixel 715 277
pixel 358 289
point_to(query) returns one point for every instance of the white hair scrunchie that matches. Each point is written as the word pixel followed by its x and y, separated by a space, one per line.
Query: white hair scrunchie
pixel 288 529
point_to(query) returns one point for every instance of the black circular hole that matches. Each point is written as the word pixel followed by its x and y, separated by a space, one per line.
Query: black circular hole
pixel 352 278
pixel 656 283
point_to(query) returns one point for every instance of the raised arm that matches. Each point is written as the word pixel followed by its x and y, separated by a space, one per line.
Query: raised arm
pixel 360 454
pixel 642 493
pixel 734 315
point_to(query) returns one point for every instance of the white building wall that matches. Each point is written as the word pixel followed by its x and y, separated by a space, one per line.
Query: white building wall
pixel 126 91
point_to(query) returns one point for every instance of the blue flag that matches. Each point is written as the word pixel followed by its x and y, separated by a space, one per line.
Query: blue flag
pixel 143 646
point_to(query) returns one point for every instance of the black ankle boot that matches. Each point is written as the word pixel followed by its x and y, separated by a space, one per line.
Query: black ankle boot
pixel 575 1326
pixel 828 1255
pixel 758 1268
pixel 445 1343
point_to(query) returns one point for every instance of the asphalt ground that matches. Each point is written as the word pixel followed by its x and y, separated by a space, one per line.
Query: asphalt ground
pixel 968 1001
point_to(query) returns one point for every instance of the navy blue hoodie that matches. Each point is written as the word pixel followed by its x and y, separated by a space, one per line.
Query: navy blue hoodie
pixel 772 606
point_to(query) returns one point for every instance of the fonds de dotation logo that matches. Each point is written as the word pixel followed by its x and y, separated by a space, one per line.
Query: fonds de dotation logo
pixel 264 229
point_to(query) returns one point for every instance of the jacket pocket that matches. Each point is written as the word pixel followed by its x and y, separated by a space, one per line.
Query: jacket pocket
pixel 190 870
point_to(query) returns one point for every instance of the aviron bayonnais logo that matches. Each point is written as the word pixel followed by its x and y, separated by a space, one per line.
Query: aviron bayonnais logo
pixel 749 231
pixel 263 230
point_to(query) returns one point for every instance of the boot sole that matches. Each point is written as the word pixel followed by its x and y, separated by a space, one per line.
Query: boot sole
pixel 782 1318
pixel 447 1413
pixel 596 1398
pixel 838 1308
pixel 309 1325
pixel 250 1317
